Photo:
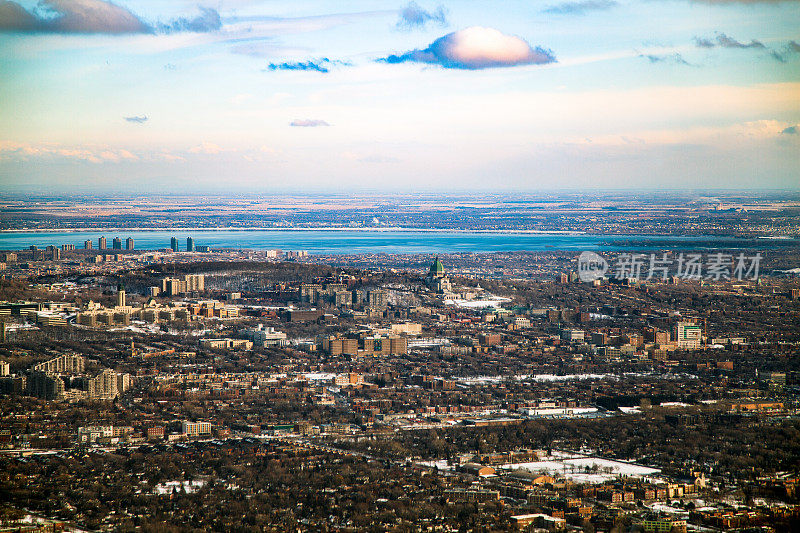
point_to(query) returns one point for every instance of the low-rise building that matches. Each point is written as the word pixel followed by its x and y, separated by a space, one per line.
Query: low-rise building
pixel 226 344
pixel 265 336
pixel 572 335
pixel 538 520
pixel 195 429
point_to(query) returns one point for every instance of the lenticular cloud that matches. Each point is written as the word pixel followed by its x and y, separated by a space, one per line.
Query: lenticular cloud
pixel 477 48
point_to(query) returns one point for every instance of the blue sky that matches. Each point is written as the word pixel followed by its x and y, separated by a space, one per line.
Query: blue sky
pixel 262 96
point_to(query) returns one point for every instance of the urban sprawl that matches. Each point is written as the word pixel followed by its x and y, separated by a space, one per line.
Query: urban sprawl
pixel 194 389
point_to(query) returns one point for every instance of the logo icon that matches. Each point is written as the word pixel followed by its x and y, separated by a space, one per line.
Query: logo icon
pixel 591 266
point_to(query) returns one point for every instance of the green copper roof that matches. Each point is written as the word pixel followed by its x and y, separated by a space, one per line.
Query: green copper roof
pixel 437 267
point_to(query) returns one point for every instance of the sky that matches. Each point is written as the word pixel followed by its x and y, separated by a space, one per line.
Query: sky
pixel 248 96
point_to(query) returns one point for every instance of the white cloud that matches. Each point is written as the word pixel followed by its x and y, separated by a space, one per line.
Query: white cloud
pixel 722 136
pixel 475 48
pixel 308 123
pixel 96 16
pixel 24 151
pixel 206 147
pixel 414 16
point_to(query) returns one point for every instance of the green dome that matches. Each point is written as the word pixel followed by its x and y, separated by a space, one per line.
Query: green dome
pixel 437 268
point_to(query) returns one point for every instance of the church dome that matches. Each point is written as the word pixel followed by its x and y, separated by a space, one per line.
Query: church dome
pixel 437 269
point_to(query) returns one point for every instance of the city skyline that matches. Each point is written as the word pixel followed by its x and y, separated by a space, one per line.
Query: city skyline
pixel 248 96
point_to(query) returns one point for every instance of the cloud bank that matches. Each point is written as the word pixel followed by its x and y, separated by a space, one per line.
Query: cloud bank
pixel 724 41
pixel 476 48
pixel 413 16
pixel 22 151
pixel 670 58
pixel 308 123
pixel 733 2
pixel 207 21
pixel 791 48
pixel 580 7
pixel 322 65
pixel 94 16
pixel 136 119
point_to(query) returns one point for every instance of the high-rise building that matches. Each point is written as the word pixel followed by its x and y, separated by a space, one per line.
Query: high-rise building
pixel 173 243
pixel 172 286
pixel 195 282
pixel 120 295
pixel 343 298
pixel 377 299
pixel 44 385
pixel 123 382
pixel 103 386
pixel 129 243
pixel 101 243
pixel 116 244
pixel 87 244
pixel 67 247
pixel 189 283
pixel 653 334
pixel 687 335
pixel 65 363
pixel 292 255
pixel 189 244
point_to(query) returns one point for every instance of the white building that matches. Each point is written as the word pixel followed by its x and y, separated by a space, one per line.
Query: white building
pixel 92 434
pixel 408 328
pixel 194 429
pixel 688 335
pixel 572 335
pixel 261 336
pixel 522 322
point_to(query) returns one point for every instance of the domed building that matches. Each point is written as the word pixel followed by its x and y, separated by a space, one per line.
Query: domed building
pixel 437 269
pixel 436 279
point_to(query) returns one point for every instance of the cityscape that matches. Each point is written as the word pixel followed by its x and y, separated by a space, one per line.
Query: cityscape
pixel 395 392
pixel 527 266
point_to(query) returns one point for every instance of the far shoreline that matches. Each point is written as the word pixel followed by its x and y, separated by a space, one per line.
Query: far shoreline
pixel 328 228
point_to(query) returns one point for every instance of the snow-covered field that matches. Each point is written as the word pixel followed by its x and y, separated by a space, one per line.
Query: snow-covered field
pixel 494 301
pixel 319 376
pixel 665 508
pixel 168 486
pixel 584 469
pixel 532 377
pixel 568 377
pixel 440 464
